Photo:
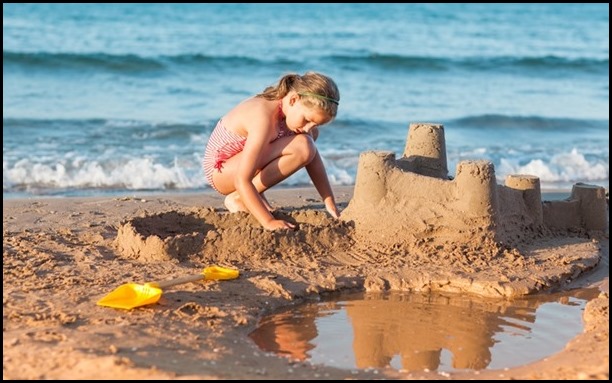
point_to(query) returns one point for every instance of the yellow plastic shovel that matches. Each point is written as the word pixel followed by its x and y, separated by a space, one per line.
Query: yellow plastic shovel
pixel 132 295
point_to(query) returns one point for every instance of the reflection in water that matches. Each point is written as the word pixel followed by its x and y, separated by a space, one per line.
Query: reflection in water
pixel 432 331
pixel 288 333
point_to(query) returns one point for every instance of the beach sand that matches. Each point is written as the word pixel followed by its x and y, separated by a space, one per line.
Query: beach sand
pixel 61 255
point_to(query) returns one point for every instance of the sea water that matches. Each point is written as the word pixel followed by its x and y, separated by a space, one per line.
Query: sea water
pixel 121 98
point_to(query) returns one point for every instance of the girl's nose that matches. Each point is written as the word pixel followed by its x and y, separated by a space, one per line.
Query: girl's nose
pixel 307 128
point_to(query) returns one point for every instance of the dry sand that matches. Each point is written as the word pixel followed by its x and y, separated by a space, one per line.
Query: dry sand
pixel 60 255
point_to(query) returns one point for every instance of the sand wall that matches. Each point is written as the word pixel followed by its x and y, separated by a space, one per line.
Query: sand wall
pixel 403 200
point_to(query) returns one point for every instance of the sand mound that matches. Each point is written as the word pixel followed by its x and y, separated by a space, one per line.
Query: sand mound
pixel 204 234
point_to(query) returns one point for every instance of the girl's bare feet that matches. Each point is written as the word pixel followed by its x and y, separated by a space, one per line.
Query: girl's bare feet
pixel 233 203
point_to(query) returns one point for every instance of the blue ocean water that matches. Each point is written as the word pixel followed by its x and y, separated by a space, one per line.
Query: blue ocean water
pixel 119 98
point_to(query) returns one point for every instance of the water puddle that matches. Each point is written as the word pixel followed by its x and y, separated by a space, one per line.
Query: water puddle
pixel 414 331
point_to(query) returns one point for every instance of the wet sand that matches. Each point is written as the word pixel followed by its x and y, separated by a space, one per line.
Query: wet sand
pixel 61 255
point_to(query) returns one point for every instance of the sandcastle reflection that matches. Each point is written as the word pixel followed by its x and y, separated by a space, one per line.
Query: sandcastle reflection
pixel 414 330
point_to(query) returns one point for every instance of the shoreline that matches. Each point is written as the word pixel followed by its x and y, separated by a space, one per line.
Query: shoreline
pixel 345 192
pixel 60 255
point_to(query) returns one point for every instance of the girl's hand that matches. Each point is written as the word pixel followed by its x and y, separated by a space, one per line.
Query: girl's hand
pixel 330 205
pixel 278 224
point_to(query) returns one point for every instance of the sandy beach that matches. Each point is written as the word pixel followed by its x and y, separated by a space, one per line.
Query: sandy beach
pixel 61 255
pixel 468 155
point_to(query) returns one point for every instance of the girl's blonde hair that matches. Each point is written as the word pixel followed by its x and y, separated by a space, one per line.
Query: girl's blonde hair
pixel 315 89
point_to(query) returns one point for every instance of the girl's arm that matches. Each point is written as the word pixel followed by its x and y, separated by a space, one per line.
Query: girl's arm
pixel 318 175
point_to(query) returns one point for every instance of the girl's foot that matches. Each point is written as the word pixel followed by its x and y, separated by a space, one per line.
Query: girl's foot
pixel 233 203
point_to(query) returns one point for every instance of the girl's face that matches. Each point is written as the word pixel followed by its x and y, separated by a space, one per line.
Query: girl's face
pixel 302 119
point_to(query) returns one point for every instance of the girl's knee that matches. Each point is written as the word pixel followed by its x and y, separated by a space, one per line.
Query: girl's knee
pixel 304 148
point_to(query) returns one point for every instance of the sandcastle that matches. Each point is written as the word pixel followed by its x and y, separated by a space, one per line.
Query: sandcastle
pixel 413 198
pixel 408 227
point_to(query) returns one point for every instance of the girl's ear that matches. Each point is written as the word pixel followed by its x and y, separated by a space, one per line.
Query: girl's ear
pixel 293 98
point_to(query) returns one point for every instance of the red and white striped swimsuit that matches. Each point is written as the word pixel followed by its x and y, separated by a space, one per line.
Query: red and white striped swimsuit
pixel 224 144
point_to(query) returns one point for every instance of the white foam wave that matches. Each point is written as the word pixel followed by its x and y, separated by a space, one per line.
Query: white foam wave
pixel 145 173
pixel 564 167
pixel 135 173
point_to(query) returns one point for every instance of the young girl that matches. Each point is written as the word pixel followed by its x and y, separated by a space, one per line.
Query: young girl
pixel 267 138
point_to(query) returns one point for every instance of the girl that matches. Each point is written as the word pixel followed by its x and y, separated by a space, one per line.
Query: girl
pixel 267 138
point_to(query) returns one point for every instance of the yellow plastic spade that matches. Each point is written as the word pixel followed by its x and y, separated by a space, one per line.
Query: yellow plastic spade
pixel 132 295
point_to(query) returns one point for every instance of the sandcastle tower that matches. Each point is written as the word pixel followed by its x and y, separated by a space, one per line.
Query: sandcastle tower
pixel 413 199
pixel 425 151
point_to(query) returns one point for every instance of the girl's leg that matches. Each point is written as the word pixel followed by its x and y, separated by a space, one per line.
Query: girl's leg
pixel 279 160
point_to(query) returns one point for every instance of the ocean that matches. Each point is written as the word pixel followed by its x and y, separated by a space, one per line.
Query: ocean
pixel 119 99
